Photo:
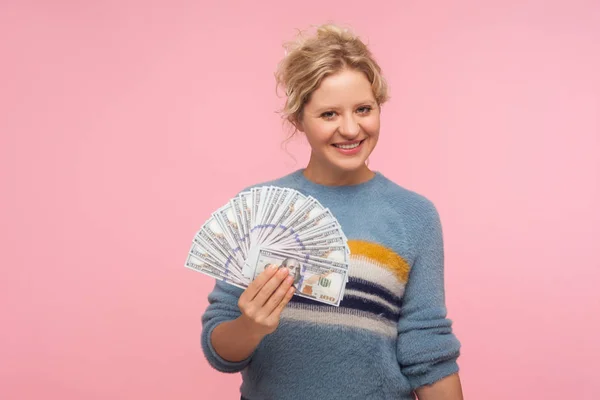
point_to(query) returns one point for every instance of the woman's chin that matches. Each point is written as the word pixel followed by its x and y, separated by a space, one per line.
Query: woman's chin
pixel 354 164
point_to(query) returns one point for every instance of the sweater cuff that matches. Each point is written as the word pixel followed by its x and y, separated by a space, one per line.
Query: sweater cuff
pixel 218 362
pixel 435 373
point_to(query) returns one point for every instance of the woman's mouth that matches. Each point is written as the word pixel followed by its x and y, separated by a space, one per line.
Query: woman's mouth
pixel 349 148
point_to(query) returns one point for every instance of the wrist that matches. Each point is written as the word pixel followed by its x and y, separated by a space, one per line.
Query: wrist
pixel 248 329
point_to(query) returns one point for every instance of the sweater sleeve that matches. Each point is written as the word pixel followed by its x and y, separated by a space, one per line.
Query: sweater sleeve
pixel 427 348
pixel 223 306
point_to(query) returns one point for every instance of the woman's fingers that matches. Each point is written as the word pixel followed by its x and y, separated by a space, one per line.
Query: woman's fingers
pixel 257 284
pixel 264 299
pixel 278 295
pixel 286 299
pixel 268 288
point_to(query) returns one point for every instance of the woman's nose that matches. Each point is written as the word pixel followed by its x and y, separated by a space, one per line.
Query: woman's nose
pixel 349 127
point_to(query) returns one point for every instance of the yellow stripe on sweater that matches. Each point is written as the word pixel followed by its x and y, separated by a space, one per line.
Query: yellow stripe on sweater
pixel 381 255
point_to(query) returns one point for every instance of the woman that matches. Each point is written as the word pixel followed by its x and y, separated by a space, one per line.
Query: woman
pixel 390 337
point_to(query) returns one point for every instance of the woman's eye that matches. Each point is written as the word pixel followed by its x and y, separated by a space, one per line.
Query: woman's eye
pixel 328 114
pixel 364 110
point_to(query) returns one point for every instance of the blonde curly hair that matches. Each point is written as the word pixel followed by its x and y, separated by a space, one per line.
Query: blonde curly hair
pixel 310 59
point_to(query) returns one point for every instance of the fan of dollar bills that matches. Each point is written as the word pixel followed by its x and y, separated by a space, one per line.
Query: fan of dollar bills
pixel 273 225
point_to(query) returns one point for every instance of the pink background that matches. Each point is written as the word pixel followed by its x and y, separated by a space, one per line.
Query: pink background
pixel 125 123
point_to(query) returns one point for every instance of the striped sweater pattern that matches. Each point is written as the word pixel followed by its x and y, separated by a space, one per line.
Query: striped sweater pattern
pixel 373 295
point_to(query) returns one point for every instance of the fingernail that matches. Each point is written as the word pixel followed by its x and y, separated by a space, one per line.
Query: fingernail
pixel 272 266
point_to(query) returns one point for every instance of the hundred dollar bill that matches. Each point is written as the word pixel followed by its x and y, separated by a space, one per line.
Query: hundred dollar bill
pixel 228 224
pixel 236 207
pixel 246 206
pixel 320 219
pixel 278 203
pixel 266 196
pixel 255 211
pixel 286 207
pixel 204 239
pixel 330 230
pixel 333 253
pixel 331 241
pixel 199 265
pixel 262 200
pixel 310 208
pixel 277 197
pixel 318 230
pixel 314 259
pixel 307 211
pixel 213 229
pixel 205 254
pixel 317 281
pixel 293 202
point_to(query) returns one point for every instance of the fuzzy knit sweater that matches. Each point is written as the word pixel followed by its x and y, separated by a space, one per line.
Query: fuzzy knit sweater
pixel 390 334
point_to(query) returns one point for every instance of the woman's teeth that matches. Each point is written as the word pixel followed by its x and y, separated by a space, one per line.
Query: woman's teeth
pixel 348 146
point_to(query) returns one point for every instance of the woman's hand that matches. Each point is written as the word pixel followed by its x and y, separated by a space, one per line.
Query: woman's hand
pixel 264 299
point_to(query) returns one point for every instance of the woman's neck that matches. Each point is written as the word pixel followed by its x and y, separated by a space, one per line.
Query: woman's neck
pixel 334 177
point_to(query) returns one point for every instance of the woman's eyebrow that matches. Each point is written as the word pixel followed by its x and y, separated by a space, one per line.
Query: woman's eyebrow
pixel 327 108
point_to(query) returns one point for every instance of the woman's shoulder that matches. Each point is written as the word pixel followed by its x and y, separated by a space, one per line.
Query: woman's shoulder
pixel 407 202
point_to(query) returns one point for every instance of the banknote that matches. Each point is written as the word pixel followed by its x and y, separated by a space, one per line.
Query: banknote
pixel 293 203
pixel 277 225
pixel 312 280
pixel 214 234
pixel 331 231
pixel 320 219
pixel 245 199
pixel 237 210
pixel 336 253
pixel 308 210
pixel 214 256
pixel 228 225
pixel 209 269
pixel 270 207
pixel 204 253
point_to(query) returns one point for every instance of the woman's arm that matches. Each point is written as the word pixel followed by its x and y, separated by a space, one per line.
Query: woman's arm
pixel 448 388
pixel 260 305
pixel 427 347
pixel 233 342
pixel 224 324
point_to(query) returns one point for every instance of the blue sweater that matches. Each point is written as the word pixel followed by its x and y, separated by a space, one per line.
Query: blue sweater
pixel 390 334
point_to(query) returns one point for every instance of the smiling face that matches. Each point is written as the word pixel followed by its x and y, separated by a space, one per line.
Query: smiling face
pixel 341 124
